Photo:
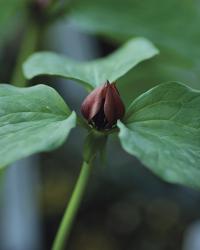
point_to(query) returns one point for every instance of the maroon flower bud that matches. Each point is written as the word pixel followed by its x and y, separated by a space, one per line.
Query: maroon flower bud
pixel 103 106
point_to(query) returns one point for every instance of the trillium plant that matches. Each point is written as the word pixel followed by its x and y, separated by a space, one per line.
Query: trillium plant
pixel 161 127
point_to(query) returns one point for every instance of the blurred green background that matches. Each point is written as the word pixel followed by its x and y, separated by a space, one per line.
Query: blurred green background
pixel 126 207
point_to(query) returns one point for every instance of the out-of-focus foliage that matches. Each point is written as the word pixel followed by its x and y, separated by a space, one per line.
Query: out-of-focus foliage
pixel 172 25
pixel 11 15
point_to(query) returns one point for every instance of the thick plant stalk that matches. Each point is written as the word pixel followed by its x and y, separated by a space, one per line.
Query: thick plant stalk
pixel 29 45
pixel 71 211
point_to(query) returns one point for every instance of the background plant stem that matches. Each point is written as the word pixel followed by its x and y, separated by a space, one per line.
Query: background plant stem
pixel 28 46
pixel 71 211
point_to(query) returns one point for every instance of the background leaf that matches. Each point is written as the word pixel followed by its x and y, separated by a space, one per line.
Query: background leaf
pixel 157 20
pixel 162 129
pixel 31 120
pixel 173 26
pixel 93 73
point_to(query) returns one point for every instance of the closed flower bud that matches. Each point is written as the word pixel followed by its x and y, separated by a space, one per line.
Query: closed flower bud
pixel 103 107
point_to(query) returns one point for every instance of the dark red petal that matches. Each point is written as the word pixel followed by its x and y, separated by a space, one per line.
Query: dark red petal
pixel 113 106
pixel 118 102
pixel 92 103
pixel 114 86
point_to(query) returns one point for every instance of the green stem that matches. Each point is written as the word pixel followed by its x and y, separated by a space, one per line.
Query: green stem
pixel 28 46
pixel 71 211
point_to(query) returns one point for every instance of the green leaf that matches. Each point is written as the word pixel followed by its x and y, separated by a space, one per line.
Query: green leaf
pixel 162 129
pixel 32 120
pixel 93 73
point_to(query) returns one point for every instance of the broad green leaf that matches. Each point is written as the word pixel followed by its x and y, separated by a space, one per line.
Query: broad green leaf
pixel 93 73
pixel 162 129
pixel 32 120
